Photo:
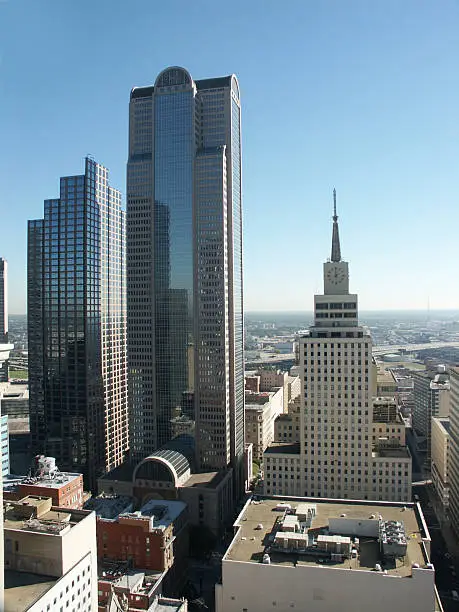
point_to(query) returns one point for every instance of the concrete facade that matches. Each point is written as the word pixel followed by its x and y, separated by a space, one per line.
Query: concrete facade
pixel 453 466
pixel 338 455
pixel 287 426
pixel 431 394
pixel 440 457
pixel 261 411
pixel 44 540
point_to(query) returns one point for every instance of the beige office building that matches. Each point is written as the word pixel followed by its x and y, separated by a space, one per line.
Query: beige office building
pixel 261 411
pixel 440 457
pixel 336 457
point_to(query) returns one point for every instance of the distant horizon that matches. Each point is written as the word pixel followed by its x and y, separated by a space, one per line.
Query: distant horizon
pixel 393 310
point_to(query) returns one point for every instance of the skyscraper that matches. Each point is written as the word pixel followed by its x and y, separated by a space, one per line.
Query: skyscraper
pixel 336 456
pixel 4 313
pixel 77 326
pixel 184 245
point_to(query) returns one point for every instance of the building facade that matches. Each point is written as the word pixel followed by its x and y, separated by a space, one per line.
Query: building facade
pixel 77 326
pixel 336 457
pixel 431 399
pixel 4 314
pixel 453 465
pixel 261 412
pixel 184 244
pixel 440 458
pixel 50 557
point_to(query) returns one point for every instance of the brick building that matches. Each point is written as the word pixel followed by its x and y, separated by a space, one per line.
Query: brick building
pixel 64 488
pixel 154 538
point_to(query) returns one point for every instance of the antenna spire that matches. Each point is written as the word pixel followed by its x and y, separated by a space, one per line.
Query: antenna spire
pixel 336 249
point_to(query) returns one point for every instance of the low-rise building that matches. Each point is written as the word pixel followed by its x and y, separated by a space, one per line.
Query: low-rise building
pixel 440 457
pixel 324 554
pixel 261 411
pixel 50 557
pixel 388 424
pixel 64 488
pixel 166 474
pixel 287 425
pixel 122 588
pixel 386 384
pixel 15 399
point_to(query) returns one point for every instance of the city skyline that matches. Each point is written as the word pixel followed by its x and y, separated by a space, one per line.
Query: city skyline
pixel 371 112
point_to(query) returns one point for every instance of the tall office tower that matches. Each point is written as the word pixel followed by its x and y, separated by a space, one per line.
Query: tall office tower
pixel 336 359
pixel 184 244
pixel 453 455
pixel 77 326
pixel 4 314
pixel 336 456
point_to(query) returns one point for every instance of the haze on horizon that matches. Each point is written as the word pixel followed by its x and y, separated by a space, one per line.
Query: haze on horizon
pixel 359 96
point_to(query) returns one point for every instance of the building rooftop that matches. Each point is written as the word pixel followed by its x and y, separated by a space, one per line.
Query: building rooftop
pixel 444 422
pixel 162 512
pixel 22 589
pixel 209 480
pixel 260 521
pixel 257 401
pixel 109 506
pixel 35 514
pixel 62 479
pixel 399 452
pixel 13 391
pixel 287 448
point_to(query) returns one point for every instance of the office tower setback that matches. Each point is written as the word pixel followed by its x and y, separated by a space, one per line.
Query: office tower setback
pixel 337 456
pixel 4 313
pixel 77 326
pixel 184 245
pixel 453 451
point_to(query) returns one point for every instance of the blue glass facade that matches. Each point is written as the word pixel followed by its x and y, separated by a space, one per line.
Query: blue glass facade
pixel 77 320
pixel 185 334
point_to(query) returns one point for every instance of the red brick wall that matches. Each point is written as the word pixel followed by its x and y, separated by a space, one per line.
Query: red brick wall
pixel 119 541
pixel 69 495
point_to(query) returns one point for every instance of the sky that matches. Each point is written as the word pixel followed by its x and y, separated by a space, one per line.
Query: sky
pixel 362 96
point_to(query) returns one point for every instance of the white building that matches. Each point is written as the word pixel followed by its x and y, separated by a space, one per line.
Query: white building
pixel 325 555
pixel 336 457
pixel 50 557
pixel 261 411
pixel 431 394
pixel 440 457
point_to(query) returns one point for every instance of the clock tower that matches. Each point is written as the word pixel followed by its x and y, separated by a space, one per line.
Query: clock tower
pixel 336 307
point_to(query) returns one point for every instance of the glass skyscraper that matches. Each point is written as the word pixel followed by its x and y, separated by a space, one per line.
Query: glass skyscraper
pixel 77 326
pixel 184 266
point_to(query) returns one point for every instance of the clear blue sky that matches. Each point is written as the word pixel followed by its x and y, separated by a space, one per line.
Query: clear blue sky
pixel 361 95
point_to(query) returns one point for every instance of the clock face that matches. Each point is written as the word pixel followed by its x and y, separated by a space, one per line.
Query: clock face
pixel 336 275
